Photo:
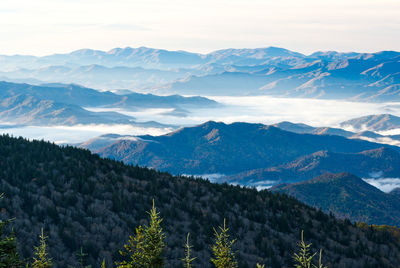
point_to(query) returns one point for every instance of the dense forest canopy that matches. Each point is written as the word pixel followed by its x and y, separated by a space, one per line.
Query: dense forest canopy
pixel 83 201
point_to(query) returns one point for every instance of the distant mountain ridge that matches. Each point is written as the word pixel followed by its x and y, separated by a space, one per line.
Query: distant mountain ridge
pixel 260 71
pixel 65 104
pixel 380 122
pixel 228 149
pixel 303 128
pixel 27 110
pixel 346 195
pixel 351 79
pixel 150 57
pixel 382 161
pixel 99 76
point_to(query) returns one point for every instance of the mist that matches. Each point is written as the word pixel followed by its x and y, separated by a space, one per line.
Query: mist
pixel 79 133
pixel 267 110
pixel 384 184
pixel 252 109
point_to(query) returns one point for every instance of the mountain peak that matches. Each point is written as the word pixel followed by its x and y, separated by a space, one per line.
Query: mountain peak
pixel 343 177
pixel 375 122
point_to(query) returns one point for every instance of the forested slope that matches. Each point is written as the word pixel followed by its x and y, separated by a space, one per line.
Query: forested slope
pixel 83 200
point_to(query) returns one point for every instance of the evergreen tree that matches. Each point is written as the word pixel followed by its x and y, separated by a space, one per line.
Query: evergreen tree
pixel 304 258
pixel 42 259
pixel 224 257
pixel 320 265
pixel 136 250
pixel 146 247
pixel 187 261
pixel 9 257
pixel 154 239
pixel 82 259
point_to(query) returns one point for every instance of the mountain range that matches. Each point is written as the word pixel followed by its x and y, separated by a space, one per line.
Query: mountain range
pixel 380 122
pixel 366 127
pixel 55 104
pixel 266 71
pixel 149 58
pixel 251 149
pixel 366 78
pixel 381 162
pixel 98 76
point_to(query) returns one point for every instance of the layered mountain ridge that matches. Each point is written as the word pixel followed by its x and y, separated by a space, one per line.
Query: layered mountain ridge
pixel 58 104
pixel 261 71
pixel 215 147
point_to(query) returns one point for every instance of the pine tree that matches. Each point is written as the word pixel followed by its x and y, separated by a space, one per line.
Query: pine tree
pixel 154 239
pixel 224 257
pixel 146 247
pixel 42 259
pixel 135 249
pixel 82 259
pixel 320 265
pixel 9 257
pixel 187 261
pixel 304 258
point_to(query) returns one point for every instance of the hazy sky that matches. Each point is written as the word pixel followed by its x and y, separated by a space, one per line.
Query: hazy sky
pixel 47 26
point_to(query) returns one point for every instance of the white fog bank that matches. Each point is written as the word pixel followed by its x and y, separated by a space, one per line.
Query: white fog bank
pixel 79 133
pixel 267 110
pixel 384 184
pixel 252 109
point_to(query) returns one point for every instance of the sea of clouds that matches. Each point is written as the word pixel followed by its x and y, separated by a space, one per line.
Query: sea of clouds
pixel 384 184
pixel 253 109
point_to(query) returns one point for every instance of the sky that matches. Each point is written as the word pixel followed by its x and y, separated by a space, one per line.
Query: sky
pixel 44 27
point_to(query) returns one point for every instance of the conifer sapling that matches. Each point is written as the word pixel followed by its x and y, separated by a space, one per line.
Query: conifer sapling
pixel 224 257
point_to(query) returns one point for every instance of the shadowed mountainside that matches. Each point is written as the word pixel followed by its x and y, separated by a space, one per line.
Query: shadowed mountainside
pixel 227 149
pixel 347 196
pixel 382 161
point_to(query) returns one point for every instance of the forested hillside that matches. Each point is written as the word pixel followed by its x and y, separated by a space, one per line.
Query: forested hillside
pixel 216 147
pixel 84 201
pixel 346 195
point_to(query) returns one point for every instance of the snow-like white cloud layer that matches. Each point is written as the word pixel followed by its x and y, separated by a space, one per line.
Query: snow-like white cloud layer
pixel 267 110
pixel 255 109
pixel 79 133
pixel 384 184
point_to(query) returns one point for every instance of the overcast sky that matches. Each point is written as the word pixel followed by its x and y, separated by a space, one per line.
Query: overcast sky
pixel 42 27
